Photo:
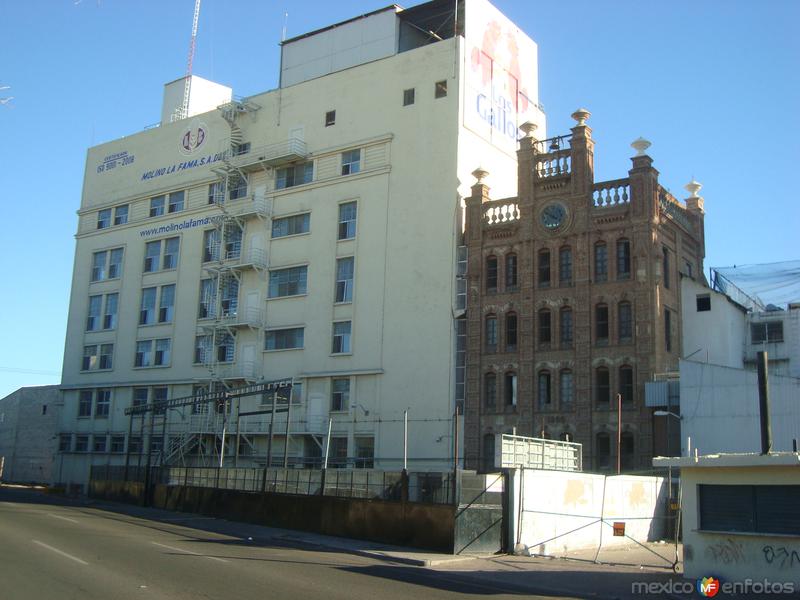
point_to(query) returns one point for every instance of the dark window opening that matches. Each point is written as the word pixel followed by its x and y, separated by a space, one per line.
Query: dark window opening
pixel 703 302
pixel 544 268
pixel 330 118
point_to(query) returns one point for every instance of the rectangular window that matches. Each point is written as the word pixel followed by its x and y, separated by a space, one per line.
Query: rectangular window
pixel 64 442
pixel 89 358
pixel 770 509
pixel 147 310
pixel 491 334
pixel 337 458
pixel 242 148
pixel 102 403
pixel 626 385
pixel 351 162
pixel 208 292
pixel 175 203
pixel 545 399
pixel 106 356
pixel 171 249
pixel 202 349
pixel 210 245
pixel 293 225
pixel 601 323
pixel 284 339
pixel 544 268
pixel 229 298
pixel 545 333
pixel 365 452
pixel 144 353
pixel 106 264
pixel 665 267
pixel 225 348
pixel 104 218
pixel 99 443
pixel 625 321
pixel 110 313
pixel 344 279
pixel 160 395
pixel 341 337
pixel 233 241
pixel 490 390
pixel 293 175
pixel 565 266
pixel 238 186
pixel 157 206
pixel 668 330
pixel 623 259
pixel 510 389
pixel 511 272
pixel 766 332
pixel 93 318
pixel 135 444
pixel 288 282
pixel 81 443
pixel 85 403
pixel 121 215
pixel 340 394
pixel 161 357
pixel 600 262
pixel 330 118
pixel 703 302
pixel 602 387
pixel 347 221
pixel 166 306
pixel 140 396
pixel 408 97
pixel 117 444
pixel 216 192
pixel 566 390
pixel 440 90
pixel 511 333
pixel 566 327
pixel 152 255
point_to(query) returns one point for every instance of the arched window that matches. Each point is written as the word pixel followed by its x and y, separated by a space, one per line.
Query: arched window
pixel 511 332
pixel 544 390
pixel 601 323
pixel 510 388
pixel 623 259
pixel 565 265
pixel 626 384
pixel 624 321
pixel 600 262
pixel 490 391
pixel 511 271
pixel 491 333
pixel 491 273
pixel 566 389
pixel 627 451
pixel 565 326
pixel 602 387
pixel 544 268
pixel 602 455
pixel 545 328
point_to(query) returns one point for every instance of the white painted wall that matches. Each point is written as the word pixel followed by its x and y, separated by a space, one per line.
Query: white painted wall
pixel 716 336
pixel 720 409
pixel 784 357
pixel 204 96
pixel 561 512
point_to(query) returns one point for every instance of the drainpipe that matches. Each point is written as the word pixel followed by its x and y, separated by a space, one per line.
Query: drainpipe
pixel 763 403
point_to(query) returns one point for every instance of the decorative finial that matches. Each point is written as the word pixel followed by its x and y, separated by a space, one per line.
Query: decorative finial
pixel 480 174
pixel 580 116
pixel 528 127
pixel 693 187
pixel 640 145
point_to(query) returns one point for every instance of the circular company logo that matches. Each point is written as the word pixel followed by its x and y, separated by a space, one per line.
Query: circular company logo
pixel 193 137
pixel 708 586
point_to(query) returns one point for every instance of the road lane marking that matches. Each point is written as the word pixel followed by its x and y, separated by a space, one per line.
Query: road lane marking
pixel 188 552
pixel 61 552
pixel 62 518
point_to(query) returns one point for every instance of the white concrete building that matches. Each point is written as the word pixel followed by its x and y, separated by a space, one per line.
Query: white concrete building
pixel 309 232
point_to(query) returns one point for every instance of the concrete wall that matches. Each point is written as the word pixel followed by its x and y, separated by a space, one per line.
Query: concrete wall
pixel 712 395
pixel 402 523
pixel 551 504
pixel 732 556
pixel 28 425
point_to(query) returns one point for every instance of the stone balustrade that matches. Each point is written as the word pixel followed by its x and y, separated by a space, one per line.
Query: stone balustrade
pixel 554 164
pixel 607 194
pixel 500 212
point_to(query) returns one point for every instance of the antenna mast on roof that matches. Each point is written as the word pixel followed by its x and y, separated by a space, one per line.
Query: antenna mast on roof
pixel 183 112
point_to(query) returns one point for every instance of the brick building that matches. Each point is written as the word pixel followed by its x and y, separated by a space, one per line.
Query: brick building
pixel 574 298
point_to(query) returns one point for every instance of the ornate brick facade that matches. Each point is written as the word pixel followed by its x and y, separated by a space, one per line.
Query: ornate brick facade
pixel 573 298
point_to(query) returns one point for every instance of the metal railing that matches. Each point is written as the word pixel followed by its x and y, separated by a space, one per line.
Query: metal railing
pixel 540 453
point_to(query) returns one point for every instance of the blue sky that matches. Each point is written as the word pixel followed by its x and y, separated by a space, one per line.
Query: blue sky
pixel 707 82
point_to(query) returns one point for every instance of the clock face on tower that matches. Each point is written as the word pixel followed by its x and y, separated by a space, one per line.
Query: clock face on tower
pixel 553 215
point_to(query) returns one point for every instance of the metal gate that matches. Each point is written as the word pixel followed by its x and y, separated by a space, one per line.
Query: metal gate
pixel 480 514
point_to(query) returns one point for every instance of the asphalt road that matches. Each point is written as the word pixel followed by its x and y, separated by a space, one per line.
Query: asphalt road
pixel 59 549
